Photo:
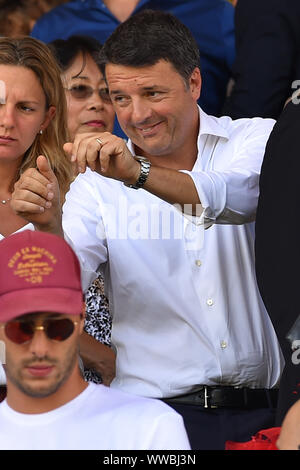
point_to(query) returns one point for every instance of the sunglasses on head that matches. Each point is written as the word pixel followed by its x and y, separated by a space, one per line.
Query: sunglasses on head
pixel 83 92
pixel 22 331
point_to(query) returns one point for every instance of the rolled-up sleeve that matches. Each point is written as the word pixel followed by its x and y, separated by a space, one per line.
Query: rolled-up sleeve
pixel 228 188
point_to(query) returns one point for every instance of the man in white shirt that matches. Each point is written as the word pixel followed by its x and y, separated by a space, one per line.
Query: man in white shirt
pixel 49 405
pixel 189 325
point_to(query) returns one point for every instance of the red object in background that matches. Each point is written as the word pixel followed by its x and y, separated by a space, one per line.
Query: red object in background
pixel 263 440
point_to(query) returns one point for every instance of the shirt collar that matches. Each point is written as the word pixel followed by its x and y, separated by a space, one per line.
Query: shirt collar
pixel 209 125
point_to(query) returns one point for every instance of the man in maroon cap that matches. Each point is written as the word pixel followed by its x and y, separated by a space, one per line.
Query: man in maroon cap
pixel 49 405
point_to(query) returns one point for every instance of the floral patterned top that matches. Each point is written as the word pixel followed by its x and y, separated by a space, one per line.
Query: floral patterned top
pixel 98 321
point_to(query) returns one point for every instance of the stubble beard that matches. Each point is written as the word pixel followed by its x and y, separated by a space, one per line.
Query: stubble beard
pixel 44 390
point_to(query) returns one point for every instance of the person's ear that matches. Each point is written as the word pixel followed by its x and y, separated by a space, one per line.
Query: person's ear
pixel 50 113
pixel 195 83
pixel 82 317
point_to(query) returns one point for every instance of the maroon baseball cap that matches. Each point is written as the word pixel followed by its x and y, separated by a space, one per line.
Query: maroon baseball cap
pixel 39 272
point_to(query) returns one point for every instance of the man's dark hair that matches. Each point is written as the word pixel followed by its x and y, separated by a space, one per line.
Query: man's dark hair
pixel 149 36
pixel 66 50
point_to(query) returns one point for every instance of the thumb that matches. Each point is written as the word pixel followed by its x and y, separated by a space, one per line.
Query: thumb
pixel 68 148
pixel 45 168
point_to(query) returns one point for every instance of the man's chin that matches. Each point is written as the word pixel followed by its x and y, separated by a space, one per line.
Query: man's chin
pixel 39 390
pixel 151 148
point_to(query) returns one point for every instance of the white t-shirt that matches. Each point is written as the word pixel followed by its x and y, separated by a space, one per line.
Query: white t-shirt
pixel 98 418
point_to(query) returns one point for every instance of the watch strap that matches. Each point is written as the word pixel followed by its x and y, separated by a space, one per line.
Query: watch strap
pixel 145 169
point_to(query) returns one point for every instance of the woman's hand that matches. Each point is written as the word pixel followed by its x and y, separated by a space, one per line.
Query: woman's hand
pixel 36 198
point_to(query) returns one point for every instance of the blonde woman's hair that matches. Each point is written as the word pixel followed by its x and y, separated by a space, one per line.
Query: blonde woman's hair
pixel 36 56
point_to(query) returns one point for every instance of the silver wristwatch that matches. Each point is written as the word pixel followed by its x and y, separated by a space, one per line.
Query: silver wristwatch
pixel 145 169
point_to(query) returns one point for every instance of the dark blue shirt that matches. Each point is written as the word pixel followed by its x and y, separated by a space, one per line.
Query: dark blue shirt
pixel 267 57
pixel 211 22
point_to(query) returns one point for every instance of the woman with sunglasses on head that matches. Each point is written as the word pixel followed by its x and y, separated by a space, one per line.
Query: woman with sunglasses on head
pixel 32 123
pixel 89 110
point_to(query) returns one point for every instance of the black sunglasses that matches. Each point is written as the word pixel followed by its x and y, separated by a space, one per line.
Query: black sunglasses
pixel 22 331
pixel 83 92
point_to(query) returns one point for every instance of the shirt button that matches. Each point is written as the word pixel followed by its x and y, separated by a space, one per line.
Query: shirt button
pixel 198 262
pixel 210 302
pixel 223 344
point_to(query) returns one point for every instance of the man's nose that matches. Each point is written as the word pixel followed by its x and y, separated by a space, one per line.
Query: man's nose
pixel 141 111
pixel 39 344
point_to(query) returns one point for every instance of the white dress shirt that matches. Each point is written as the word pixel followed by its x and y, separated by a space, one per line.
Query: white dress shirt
pixel 185 304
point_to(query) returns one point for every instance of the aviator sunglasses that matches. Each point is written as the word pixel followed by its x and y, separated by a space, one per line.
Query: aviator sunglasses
pixel 22 331
pixel 83 92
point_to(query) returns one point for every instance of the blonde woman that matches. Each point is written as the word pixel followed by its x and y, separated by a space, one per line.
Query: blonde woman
pixel 32 123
